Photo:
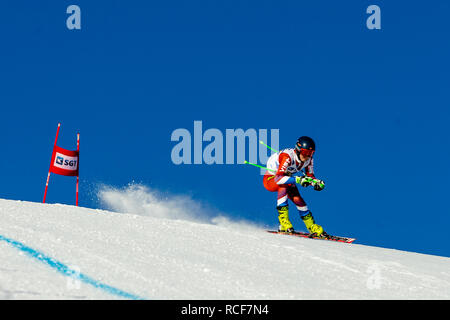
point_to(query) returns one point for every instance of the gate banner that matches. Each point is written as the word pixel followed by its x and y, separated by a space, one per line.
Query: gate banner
pixel 64 162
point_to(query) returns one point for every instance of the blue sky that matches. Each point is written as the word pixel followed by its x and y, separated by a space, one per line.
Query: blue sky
pixel 375 101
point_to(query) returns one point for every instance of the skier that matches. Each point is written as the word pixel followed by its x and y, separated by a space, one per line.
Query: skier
pixel 279 178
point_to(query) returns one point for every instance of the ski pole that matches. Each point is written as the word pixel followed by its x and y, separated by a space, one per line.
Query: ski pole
pixel 257 165
pixel 260 141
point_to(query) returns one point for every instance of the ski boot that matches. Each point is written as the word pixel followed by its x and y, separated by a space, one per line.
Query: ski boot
pixel 312 227
pixel 283 217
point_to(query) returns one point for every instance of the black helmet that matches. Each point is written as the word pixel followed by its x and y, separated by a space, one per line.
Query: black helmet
pixel 305 145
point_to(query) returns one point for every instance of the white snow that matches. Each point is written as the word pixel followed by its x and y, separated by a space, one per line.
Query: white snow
pixel 160 258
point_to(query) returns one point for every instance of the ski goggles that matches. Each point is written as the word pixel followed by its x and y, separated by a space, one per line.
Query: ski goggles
pixel 305 152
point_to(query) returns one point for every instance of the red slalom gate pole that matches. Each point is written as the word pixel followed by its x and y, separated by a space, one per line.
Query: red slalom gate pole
pixel 48 176
pixel 78 149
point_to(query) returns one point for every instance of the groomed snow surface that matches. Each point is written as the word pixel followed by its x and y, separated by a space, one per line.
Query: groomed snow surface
pixel 53 251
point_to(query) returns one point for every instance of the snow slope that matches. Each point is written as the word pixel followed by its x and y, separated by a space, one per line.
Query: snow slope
pixel 53 251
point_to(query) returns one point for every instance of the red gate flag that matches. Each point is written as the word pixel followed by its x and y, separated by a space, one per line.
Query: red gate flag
pixel 64 162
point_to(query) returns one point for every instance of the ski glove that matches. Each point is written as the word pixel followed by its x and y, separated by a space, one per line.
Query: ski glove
pixel 318 184
pixel 305 181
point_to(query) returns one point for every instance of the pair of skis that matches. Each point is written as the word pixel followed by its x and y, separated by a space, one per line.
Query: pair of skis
pixel 324 236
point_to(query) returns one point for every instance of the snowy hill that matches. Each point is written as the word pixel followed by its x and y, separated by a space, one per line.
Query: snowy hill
pixel 52 251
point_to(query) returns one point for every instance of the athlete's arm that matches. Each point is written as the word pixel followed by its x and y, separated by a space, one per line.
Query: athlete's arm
pixel 310 169
pixel 281 177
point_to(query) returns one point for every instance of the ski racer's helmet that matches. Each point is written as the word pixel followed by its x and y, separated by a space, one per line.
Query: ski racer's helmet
pixel 306 146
